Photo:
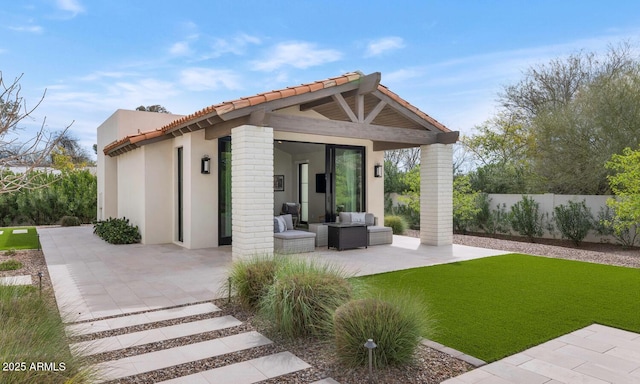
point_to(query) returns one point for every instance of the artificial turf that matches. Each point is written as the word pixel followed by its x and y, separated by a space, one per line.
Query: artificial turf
pixel 496 306
pixel 9 240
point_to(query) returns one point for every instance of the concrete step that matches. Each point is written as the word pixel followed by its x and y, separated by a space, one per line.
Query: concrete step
pixel 140 318
pixel 133 339
pixel 146 362
pixel 246 372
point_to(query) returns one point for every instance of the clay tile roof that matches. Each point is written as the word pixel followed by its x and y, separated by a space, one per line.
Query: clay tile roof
pixel 228 106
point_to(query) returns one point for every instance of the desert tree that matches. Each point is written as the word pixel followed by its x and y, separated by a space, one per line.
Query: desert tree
pixel 153 108
pixel 14 150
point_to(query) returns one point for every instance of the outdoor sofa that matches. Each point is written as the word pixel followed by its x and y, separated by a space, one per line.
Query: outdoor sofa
pixel 378 234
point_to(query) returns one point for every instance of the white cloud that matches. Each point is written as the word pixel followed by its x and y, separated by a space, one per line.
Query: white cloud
pixel 299 55
pixel 201 79
pixel 99 75
pixel 180 48
pixel 383 45
pixel 72 6
pixel 235 45
pixel 401 75
pixel 28 28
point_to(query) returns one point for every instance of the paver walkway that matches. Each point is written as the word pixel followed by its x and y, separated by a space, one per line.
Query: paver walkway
pixel 247 372
pixel 595 354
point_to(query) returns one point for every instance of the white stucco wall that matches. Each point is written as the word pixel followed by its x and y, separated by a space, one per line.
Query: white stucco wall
pixel 131 188
pixel 120 124
pixel 202 223
pixel 158 193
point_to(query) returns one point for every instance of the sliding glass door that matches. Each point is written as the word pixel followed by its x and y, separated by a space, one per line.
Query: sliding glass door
pixel 346 186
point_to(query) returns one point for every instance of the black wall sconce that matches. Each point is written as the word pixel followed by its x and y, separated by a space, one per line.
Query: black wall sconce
pixel 205 165
pixel 377 170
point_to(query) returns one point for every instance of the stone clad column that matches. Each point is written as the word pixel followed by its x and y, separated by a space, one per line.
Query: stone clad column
pixel 436 194
pixel 251 191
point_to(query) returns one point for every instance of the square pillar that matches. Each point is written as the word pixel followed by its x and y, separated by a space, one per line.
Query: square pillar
pixel 251 191
pixel 436 194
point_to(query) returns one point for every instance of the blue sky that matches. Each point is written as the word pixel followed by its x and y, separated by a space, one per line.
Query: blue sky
pixel 449 58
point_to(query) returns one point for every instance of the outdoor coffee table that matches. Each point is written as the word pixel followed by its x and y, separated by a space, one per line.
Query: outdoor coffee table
pixel 347 236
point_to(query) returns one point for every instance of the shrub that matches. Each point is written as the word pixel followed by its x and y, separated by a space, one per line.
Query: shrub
pixel 70 221
pixel 117 231
pixel 499 220
pixel 397 223
pixel 526 218
pixel 574 220
pixel 609 224
pixel 251 278
pixel 465 208
pixel 483 215
pixel 10 265
pixel 396 327
pixel 304 296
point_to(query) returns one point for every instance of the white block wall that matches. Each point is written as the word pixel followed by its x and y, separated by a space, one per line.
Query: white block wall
pixel 252 190
pixel 436 194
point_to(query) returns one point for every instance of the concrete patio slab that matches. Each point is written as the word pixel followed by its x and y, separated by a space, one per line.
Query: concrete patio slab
pixel 94 279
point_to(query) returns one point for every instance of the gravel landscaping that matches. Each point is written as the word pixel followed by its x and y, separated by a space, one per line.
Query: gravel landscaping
pixel 430 366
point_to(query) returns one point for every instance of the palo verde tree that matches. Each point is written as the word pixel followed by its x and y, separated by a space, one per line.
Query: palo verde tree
pixel 14 152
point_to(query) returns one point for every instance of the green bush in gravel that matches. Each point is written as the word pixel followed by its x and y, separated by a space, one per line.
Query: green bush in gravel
pixel 394 325
pixel 303 297
pixel 10 265
pixel 250 279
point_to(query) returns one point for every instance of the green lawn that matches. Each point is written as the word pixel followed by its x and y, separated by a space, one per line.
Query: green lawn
pixel 28 240
pixel 493 307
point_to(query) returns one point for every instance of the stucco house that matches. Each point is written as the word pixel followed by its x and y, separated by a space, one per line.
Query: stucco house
pixel 223 172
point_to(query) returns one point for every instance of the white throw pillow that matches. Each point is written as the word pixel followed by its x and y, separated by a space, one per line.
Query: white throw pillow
pixel 282 225
pixel 358 217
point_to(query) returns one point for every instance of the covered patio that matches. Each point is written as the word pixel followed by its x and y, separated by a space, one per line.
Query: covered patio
pixel 94 279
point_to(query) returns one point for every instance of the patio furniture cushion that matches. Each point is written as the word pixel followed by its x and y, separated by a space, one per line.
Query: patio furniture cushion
pixel 295 234
pixel 288 220
pixel 279 225
pixel 378 228
pixel 357 217
pixel 345 217
pixel 369 219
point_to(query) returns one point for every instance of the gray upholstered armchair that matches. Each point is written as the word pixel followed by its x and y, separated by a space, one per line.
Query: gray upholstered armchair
pixel 294 210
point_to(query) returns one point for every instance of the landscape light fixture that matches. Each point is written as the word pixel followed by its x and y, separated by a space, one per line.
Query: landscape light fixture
pixel 205 165
pixel 370 345
pixel 40 274
pixel 377 170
